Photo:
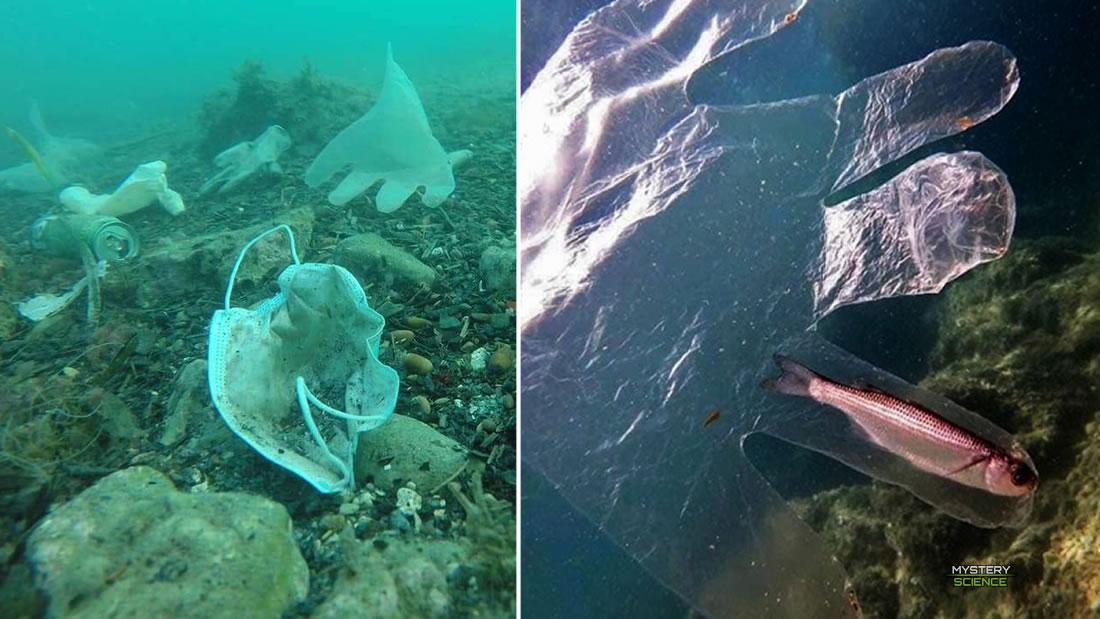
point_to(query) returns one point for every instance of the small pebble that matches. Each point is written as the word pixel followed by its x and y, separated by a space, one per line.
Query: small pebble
pixel 479 317
pixel 502 359
pixel 347 509
pixel 415 322
pixel 508 401
pixel 333 522
pixel 423 404
pixel 399 521
pixel 416 364
pixel 401 335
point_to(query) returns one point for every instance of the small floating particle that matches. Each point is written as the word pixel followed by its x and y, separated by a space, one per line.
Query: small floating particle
pixel 712 417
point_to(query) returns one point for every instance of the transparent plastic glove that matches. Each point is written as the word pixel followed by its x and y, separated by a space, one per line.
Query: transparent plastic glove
pixel 243 161
pixel 391 143
pixel 670 248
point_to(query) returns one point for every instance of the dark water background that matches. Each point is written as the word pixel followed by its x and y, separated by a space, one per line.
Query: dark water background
pixel 1045 139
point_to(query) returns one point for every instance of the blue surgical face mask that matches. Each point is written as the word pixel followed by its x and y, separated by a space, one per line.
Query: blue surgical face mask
pixel 314 344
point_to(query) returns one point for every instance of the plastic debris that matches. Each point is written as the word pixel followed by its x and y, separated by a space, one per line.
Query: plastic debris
pixel 248 159
pixel 147 184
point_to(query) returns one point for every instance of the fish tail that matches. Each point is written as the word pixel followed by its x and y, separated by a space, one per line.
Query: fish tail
pixel 794 378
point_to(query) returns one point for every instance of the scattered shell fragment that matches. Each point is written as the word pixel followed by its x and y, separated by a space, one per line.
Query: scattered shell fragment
pixel 416 364
pixel 408 501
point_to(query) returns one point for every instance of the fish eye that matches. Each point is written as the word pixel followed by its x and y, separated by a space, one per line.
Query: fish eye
pixel 1022 474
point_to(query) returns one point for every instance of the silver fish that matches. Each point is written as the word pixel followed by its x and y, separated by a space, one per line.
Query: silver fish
pixel 920 436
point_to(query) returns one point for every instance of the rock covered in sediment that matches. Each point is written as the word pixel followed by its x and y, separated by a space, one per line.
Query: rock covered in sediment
pixel 189 397
pixel 394 579
pixel 175 269
pixel 132 545
pixel 374 259
pixel 408 450
pixel 498 269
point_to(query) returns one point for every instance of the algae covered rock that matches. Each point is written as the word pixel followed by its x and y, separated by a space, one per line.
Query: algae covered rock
pixel 374 259
pixel 1019 343
pixel 408 450
pixel 133 546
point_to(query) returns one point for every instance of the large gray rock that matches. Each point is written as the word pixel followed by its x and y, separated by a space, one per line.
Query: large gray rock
pixel 184 268
pixel 498 269
pixel 133 546
pixel 407 450
pixel 374 259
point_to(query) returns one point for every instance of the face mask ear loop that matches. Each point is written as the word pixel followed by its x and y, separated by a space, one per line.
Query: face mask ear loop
pixel 356 423
pixel 304 398
pixel 240 257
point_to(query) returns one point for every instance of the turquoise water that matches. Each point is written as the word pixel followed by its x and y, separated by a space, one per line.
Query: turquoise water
pixel 103 67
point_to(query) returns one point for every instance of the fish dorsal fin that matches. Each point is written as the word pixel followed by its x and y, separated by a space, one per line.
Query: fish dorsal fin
pixel 866 386
pixel 863 385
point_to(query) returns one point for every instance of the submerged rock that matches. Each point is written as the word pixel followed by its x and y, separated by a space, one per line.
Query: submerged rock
pixel 190 396
pixel 133 546
pixel 406 579
pixel 498 269
pixel 177 269
pixel 374 259
pixel 408 450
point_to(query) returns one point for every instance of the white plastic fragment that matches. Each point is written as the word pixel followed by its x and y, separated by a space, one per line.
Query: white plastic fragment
pixel 242 161
pixel 148 183
pixel 45 305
